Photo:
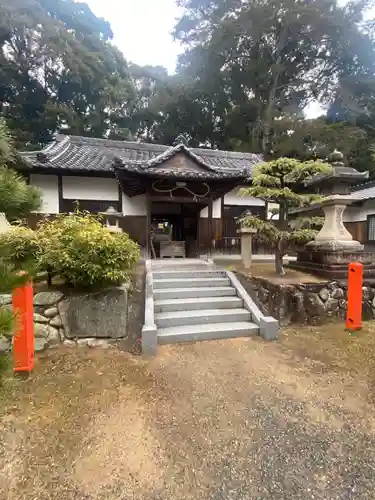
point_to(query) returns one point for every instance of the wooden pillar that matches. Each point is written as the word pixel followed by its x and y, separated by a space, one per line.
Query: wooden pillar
pixel 148 223
pixel 210 225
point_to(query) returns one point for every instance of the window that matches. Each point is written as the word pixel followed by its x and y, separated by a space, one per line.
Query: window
pixel 371 227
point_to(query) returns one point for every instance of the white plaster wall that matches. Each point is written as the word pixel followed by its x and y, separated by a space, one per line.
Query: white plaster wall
pixel 90 188
pixel 359 213
pixel 48 184
pixel 216 210
pixel 234 198
pixel 136 205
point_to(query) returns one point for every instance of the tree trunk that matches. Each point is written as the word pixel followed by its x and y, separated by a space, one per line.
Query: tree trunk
pixel 283 226
pixel 279 266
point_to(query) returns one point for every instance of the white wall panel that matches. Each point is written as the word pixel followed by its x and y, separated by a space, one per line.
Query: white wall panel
pixel 357 213
pixel 234 198
pixel 48 185
pixel 136 205
pixel 90 188
pixel 216 210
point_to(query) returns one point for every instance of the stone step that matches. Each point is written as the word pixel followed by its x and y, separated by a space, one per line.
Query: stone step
pixel 201 317
pixel 193 292
pixel 189 282
pixel 197 303
pixel 192 273
pixel 213 331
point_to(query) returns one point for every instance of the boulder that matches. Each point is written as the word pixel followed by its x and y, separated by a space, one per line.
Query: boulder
pixel 38 318
pixel 104 344
pixel 332 304
pixel 47 298
pixel 101 314
pixel 365 293
pixel 40 330
pixel 69 343
pixel 53 336
pixel 314 306
pixel 338 293
pixel 51 312
pixel 324 294
pixel 56 321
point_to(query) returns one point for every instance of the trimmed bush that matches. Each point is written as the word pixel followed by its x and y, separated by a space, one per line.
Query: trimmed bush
pixel 84 253
pixel 19 246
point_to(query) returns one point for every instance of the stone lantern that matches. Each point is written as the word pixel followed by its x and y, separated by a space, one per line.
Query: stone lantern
pixel 246 245
pixel 334 248
pixel 112 219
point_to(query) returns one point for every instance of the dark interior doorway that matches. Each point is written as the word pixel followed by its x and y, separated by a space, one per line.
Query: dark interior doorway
pixel 177 222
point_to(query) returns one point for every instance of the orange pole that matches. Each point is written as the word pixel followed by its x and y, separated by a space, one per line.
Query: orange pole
pixel 23 347
pixel 355 283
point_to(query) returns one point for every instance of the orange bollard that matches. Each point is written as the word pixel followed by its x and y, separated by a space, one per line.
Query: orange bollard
pixel 355 283
pixel 23 347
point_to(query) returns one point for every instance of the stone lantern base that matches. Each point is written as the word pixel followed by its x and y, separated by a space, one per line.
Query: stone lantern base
pixel 333 248
pixel 332 264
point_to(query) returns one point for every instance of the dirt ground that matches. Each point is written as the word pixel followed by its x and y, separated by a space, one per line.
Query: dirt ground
pixel 237 419
pixel 267 271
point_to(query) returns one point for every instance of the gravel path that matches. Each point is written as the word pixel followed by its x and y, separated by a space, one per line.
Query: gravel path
pixel 228 420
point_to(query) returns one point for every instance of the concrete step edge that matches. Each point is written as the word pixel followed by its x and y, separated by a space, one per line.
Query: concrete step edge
pixel 214 331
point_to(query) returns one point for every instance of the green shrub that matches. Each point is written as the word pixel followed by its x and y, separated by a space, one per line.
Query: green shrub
pixel 17 198
pixel 19 246
pixel 85 253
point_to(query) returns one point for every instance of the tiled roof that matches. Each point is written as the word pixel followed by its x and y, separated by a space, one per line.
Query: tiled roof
pixel 75 153
pixel 364 192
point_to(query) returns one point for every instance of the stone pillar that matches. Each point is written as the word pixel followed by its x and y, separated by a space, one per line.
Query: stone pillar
pixel 334 235
pixel 246 245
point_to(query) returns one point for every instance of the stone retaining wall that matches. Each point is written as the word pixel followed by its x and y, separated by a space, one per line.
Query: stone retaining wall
pixel 311 303
pixel 93 319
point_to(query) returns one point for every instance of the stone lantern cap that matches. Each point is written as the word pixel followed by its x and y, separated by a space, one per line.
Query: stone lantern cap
pixel 339 172
pixel 247 230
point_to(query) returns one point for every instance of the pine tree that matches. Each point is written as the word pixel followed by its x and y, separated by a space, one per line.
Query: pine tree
pixel 279 181
pixel 17 199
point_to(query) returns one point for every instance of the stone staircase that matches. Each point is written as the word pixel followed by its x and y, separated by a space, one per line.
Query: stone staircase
pixel 197 303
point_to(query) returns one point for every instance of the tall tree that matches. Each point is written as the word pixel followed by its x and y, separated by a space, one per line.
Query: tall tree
pixel 58 69
pixel 278 55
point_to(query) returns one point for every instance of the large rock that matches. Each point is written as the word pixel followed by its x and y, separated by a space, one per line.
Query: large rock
pixel 5 345
pixel 56 322
pixel 314 307
pixel 40 330
pixel 338 293
pixel 53 336
pixel 51 312
pixel 98 314
pixel 38 318
pixel 332 304
pixel 47 298
pixel 324 294
pixel 47 332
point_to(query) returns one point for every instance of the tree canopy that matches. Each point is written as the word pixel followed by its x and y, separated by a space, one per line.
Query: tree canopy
pixel 247 72
pixel 278 181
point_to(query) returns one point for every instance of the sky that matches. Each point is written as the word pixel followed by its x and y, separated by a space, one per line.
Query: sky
pixel 142 29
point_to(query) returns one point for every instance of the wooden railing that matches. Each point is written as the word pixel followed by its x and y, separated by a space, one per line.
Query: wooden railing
pixel 232 246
